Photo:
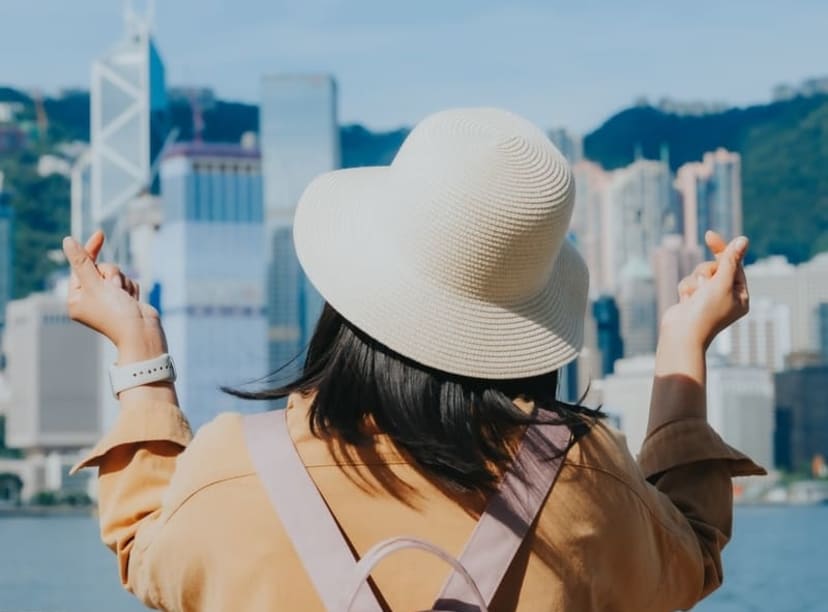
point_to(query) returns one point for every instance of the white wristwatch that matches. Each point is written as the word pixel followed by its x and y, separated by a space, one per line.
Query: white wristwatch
pixel 160 369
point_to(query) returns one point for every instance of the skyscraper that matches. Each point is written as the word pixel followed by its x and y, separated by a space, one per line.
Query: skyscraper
pixel 210 273
pixel 639 196
pixel 299 137
pixel 608 326
pixel 711 193
pixel 591 224
pixel 114 184
pixel 672 261
pixel 637 309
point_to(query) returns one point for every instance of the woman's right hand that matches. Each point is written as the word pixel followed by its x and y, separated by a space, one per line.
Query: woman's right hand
pixel 104 299
pixel 714 296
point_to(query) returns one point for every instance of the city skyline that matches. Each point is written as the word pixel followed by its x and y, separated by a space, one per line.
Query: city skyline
pixel 557 65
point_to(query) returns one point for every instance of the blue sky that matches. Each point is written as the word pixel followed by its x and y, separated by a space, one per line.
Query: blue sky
pixel 570 63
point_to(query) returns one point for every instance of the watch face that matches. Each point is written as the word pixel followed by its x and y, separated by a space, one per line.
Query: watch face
pixel 173 372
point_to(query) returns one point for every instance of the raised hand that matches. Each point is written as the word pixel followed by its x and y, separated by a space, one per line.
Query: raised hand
pixel 104 299
pixel 714 295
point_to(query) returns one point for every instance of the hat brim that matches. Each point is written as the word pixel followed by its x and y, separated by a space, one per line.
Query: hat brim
pixel 350 257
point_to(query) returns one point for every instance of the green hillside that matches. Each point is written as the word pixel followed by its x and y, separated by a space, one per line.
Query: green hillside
pixel 784 149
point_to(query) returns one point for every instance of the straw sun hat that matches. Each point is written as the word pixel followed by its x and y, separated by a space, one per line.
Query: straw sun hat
pixel 455 255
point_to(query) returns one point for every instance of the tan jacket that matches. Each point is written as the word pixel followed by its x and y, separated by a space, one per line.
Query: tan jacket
pixel 193 528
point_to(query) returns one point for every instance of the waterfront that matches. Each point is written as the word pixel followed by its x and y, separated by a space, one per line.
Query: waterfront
pixel 774 564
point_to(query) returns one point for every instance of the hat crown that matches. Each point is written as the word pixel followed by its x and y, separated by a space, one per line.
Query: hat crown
pixel 486 203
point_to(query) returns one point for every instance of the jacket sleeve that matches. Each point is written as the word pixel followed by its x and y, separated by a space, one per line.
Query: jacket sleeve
pixel 691 467
pixel 136 461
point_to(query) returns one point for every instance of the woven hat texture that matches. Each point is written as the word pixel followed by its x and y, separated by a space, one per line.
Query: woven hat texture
pixel 455 255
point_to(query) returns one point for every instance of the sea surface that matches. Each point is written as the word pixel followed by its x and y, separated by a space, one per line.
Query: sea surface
pixel 777 562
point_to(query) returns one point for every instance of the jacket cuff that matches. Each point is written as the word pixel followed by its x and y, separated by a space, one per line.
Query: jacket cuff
pixel 688 441
pixel 152 422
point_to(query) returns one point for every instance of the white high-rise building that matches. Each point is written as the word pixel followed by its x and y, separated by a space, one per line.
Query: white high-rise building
pixel 52 369
pixel 711 193
pixel 638 199
pixel 626 397
pixel 761 339
pixel 740 403
pixel 591 224
pixel 637 308
pixel 801 288
pixel 210 279
pixel 299 138
pixel 672 261
pixel 740 407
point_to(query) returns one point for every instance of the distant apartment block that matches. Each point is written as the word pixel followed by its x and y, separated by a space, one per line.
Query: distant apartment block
pixel 52 370
pixel 711 194
pixel 802 288
pixel 671 262
pixel 762 338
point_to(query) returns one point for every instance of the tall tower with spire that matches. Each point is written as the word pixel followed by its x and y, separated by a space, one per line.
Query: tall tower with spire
pixel 129 126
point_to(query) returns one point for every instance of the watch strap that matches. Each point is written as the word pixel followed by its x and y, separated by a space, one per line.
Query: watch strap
pixel 159 369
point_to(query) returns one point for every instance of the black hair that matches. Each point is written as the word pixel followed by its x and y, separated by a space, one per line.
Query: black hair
pixel 455 428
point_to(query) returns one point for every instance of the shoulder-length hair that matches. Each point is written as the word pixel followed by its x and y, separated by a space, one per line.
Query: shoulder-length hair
pixel 455 428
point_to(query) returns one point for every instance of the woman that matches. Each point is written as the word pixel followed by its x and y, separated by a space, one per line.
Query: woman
pixel 453 300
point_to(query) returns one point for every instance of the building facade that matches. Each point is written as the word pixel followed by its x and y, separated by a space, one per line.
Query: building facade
pixel 740 407
pixel 762 338
pixel 801 416
pixel 671 262
pixel 210 274
pixel 801 288
pixel 608 332
pixel 638 199
pixel 711 194
pixel 51 368
pixel 637 308
pixel 299 136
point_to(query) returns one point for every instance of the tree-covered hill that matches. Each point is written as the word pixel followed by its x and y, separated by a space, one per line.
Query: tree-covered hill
pixel 784 149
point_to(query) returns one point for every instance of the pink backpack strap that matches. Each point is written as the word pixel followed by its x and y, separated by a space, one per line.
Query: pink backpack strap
pixel 305 517
pixel 509 516
pixel 325 553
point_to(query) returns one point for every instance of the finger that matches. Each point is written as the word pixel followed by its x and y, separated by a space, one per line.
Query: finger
pixel 94 245
pixel 132 288
pixel 706 269
pixel 687 286
pixel 82 264
pixel 731 260
pixel 109 270
pixel 714 242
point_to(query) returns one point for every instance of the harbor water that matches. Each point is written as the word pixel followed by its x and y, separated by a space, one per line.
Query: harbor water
pixel 776 563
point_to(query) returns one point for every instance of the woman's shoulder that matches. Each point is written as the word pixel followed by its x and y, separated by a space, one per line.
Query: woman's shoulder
pixel 604 453
pixel 217 453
